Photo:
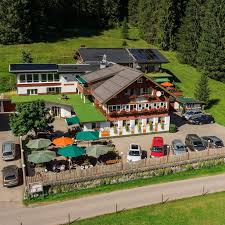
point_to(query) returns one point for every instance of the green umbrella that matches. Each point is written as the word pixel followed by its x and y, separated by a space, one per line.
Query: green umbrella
pixel 97 150
pixel 87 135
pixel 71 151
pixel 38 143
pixel 41 156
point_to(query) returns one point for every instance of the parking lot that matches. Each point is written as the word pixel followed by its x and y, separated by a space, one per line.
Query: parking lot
pixel 14 194
pixel 146 140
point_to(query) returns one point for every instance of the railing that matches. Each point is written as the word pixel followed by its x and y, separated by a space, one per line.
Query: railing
pixel 125 167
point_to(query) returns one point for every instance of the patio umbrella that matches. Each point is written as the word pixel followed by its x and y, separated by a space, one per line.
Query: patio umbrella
pixel 167 84
pixel 97 150
pixel 41 156
pixel 71 151
pixel 38 143
pixel 62 141
pixel 87 136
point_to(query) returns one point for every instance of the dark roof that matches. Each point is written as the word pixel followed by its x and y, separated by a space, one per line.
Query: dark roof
pixel 103 73
pixel 147 55
pixel 61 68
pixel 10 170
pixel 82 68
pixel 115 84
pixel 116 55
pixel 122 55
pixel 30 67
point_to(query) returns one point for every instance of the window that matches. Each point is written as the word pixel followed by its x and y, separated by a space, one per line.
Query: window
pixel 146 91
pixel 140 81
pixel 43 77
pixel 114 107
pixel 127 92
pixel 29 78
pixel 118 107
pixel 54 90
pixel 161 120
pixel 56 77
pixel 95 126
pixel 32 91
pixel 50 77
pixel 22 78
pixel 36 77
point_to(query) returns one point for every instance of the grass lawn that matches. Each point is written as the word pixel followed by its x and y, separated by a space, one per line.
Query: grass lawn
pixel 203 210
pixel 130 184
pixel 82 109
pixel 86 112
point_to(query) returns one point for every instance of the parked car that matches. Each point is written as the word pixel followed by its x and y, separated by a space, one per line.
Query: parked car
pixel 201 119
pixel 134 153
pixel 194 143
pixel 8 150
pixel 178 147
pixel 194 112
pixel 212 142
pixel 10 176
pixel 158 148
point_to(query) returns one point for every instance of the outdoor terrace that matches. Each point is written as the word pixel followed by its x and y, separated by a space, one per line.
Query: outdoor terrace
pixel 86 112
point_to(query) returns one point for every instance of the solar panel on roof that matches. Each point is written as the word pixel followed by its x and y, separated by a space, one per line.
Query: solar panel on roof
pixel 32 67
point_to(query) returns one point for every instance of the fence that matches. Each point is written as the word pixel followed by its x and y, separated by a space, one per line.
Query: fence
pixel 124 167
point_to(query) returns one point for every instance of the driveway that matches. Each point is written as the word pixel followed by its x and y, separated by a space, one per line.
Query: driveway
pixel 14 194
pixel 122 143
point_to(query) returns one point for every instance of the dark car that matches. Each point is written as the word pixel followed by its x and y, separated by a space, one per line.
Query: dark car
pixel 203 119
pixel 212 142
pixel 194 142
pixel 10 176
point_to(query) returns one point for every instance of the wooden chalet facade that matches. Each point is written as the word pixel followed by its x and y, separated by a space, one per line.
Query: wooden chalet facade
pixel 131 102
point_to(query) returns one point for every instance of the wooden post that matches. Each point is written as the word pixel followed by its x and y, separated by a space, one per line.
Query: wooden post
pixel 23 161
pixel 68 218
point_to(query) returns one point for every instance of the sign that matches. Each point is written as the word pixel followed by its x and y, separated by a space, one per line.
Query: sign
pixel 35 187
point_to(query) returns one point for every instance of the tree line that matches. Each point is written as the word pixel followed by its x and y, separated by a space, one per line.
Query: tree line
pixel 24 21
pixel 195 28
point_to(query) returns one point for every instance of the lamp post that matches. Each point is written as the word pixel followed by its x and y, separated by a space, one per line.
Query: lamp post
pixel 121 153
pixel 208 146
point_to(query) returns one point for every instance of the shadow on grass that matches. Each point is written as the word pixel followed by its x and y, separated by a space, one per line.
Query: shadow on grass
pixel 212 102
pixel 174 76
pixel 55 36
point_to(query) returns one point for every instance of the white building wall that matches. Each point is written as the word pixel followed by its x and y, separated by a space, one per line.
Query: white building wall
pixel 65 110
pixel 69 88
pixel 41 89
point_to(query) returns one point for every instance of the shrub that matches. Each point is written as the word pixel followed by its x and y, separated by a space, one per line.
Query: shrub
pixel 173 128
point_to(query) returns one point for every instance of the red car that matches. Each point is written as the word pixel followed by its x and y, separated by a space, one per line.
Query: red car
pixel 158 147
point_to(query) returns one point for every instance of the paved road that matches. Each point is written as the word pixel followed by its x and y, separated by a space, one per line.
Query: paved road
pixel 106 203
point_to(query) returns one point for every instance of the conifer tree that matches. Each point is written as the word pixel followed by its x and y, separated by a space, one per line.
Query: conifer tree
pixel 125 29
pixel 148 19
pixel 133 12
pixel 15 21
pixel 26 57
pixel 202 90
pixel 170 16
pixel 211 51
pixel 190 32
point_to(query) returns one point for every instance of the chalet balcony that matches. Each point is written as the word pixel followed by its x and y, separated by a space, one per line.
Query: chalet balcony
pixel 142 112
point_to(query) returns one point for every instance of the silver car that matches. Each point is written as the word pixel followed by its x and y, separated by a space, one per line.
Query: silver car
pixel 178 147
pixel 8 150
pixel 192 113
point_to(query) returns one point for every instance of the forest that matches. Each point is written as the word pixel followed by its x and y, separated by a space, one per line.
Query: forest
pixel 193 28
